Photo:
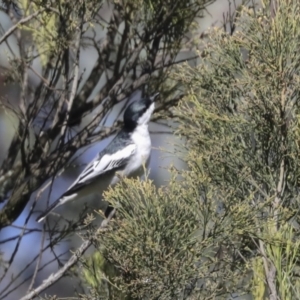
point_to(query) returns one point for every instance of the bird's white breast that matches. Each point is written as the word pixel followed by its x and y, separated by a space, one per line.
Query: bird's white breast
pixel 141 138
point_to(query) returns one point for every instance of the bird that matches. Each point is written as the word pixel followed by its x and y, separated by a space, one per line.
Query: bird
pixel 124 156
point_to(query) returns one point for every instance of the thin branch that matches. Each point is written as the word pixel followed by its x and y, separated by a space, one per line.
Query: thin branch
pixel 74 86
pixel 279 190
pixel 23 21
pixel 53 278
pixel 4 296
pixel 38 262
pixel 270 272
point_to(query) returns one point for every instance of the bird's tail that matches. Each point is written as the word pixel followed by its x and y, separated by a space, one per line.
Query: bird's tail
pixel 43 215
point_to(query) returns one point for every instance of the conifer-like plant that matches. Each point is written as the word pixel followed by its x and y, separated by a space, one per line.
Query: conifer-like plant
pixel 229 225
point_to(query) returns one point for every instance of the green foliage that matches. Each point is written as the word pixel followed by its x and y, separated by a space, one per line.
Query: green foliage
pixel 99 275
pixel 155 244
pixel 55 29
pixel 245 98
pixel 285 255
pixel 57 22
pixel 161 256
pixel 230 223
pixel 58 96
pixel 258 289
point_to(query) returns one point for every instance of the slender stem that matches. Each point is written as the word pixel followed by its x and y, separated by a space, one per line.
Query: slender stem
pixel 22 21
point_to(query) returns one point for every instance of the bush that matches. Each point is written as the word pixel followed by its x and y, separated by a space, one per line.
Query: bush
pixel 229 226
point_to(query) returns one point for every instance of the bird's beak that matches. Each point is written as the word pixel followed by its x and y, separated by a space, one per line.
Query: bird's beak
pixel 152 98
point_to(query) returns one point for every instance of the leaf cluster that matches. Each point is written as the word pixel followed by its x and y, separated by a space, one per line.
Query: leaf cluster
pixel 62 108
pixel 228 225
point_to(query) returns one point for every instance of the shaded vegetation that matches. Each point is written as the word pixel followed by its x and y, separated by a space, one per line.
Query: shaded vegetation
pixel 230 224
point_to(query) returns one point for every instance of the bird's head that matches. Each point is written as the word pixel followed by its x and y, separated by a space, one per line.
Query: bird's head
pixel 139 112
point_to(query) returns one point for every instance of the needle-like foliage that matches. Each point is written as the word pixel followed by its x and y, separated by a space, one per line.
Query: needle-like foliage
pixel 70 64
pixel 230 224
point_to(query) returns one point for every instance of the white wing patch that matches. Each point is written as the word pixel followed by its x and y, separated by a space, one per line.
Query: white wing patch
pixel 106 163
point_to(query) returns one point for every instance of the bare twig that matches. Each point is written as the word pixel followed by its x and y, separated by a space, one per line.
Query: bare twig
pixel 75 84
pixel 71 262
pixel 270 272
pixel 38 262
pixel 22 21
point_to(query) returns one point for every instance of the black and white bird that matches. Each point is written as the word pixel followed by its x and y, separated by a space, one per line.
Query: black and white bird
pixel 125 155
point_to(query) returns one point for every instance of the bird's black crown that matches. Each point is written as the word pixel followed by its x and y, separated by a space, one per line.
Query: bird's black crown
pixel 136 110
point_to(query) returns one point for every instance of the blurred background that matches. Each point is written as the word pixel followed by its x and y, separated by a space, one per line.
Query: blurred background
pixel 162 157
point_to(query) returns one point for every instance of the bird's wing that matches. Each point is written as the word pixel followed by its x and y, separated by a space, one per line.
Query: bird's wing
pixel 107 161
pixel 104 163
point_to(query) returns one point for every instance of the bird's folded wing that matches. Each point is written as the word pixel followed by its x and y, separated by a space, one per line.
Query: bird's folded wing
pixel 101 165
